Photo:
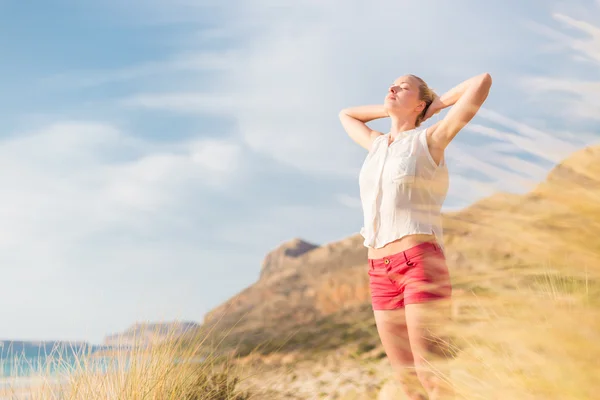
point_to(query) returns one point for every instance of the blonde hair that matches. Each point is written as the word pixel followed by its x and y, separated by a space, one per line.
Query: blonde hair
pixel 425 94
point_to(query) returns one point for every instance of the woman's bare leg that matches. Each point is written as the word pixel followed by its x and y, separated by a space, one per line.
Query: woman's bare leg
pixel 393 332
pixel 425 324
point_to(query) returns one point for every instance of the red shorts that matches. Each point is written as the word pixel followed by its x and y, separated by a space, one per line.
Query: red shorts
pixel 416 275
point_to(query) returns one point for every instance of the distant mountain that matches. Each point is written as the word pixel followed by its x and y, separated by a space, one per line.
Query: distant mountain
pixel 142 334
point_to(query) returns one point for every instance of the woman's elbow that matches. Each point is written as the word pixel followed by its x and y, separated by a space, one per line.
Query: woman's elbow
pixel 486 79
pixel 344 115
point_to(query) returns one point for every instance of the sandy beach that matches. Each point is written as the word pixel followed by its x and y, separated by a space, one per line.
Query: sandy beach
pixel 28 387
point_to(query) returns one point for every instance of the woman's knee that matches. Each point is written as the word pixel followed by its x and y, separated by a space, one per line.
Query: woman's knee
pixel 428 326
pixel 434 376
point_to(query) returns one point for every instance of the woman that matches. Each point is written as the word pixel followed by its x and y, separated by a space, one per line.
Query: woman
pixel 403 183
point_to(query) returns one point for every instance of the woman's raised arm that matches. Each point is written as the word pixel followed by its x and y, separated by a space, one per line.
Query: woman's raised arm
pixel 354 120
pixel 466 100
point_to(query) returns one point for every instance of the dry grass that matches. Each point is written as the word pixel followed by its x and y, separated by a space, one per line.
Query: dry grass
pixel 169 370
pixel 536 343
pixel 531 330
pixel 537 340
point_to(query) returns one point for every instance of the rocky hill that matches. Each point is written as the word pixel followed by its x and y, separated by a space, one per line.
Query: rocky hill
pixel 555 226
pixel 284 259
pixel 299 287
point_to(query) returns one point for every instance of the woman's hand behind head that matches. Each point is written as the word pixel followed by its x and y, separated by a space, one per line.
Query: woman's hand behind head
pixel 435 107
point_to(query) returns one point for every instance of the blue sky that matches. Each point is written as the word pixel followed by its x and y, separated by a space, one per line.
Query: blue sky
pixel 153 152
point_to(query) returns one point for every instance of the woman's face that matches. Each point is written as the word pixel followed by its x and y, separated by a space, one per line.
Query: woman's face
pixel 403 96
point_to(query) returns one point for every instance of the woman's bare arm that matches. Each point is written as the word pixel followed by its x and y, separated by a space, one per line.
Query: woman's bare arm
pixel 466 99
pixel 354 120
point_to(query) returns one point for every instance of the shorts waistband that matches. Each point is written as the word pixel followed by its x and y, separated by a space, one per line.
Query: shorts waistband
pixel 409 253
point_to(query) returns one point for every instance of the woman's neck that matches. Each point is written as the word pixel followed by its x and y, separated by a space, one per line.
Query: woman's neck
pixel 400 125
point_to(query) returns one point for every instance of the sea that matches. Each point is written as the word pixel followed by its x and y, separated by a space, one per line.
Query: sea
pixel 24 363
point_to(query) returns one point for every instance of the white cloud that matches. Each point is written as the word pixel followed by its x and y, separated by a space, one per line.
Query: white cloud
pixel 349 201
pixel 103 163
pixel 185 62
pixel 183 102
pixel 573 97
pixel 514 159
pixel 493 166
pixel 271 226
pixel 216 156
pixel 307 61
pixel 86 199
pixel 588 47
pixel 545 145
pixel 583 100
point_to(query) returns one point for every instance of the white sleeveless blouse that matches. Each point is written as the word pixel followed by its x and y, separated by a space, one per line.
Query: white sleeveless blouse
pixel 402 189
